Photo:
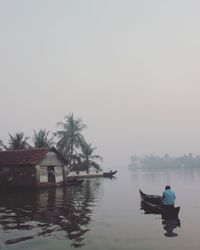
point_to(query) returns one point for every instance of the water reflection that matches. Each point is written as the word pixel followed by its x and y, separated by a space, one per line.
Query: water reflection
pixel 55 212
pixel 169 225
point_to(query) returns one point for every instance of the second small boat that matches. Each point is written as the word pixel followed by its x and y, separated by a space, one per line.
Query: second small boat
pixel 109 174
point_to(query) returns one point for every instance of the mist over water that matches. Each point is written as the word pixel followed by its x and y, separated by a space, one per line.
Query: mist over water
pixel 103 213
pixel 129 69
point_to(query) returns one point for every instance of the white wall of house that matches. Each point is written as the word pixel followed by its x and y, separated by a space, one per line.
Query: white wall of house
pixel 43 175
pixel 58 173
pixel 51 159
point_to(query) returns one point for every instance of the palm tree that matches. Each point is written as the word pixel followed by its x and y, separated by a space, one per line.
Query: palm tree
pixel 18 141
pixel 87 157
pixel 41 139
pixel 2 146
pixel 70 137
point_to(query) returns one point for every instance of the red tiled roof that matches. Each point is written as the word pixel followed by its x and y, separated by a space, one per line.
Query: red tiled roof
pixel 22 157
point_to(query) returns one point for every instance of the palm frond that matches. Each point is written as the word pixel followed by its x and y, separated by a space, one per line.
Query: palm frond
pixel 18 141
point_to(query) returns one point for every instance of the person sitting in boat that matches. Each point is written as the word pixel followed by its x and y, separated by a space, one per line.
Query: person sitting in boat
pixel 168 197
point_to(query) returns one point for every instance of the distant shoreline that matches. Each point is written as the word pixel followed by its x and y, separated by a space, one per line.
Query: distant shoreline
pixel 167 161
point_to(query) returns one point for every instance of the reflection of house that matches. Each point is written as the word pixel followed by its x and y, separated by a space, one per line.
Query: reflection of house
pixel 55 213
pixel 32 167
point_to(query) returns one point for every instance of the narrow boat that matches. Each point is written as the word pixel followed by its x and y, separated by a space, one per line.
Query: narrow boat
pixel 152 204
pixel 109 174
pixel 155 199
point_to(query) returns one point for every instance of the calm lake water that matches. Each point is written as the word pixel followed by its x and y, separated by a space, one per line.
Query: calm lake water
pixel 102 214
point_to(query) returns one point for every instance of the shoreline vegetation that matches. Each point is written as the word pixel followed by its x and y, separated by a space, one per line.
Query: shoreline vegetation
pixel 68 140
pixel 167 161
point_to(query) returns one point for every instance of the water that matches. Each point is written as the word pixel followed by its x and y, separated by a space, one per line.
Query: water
pixel 102 214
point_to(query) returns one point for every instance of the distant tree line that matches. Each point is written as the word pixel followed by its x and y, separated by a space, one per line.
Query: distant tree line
pixel 165 161
pixel 69 140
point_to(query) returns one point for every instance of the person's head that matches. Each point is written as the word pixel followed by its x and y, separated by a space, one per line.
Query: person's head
pixel 167 187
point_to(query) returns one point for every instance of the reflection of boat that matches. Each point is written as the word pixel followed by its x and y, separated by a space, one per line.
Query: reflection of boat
pixel 153 204
pixel 74 181
pixel 169 225
pixel 109 174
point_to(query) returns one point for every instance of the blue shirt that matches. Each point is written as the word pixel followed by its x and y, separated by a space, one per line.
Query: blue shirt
pixel 168 197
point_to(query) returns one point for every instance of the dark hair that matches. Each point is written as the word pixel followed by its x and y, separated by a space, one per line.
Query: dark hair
pixel 167 187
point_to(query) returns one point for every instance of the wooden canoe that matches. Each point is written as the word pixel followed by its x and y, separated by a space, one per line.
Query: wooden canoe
pixel 109 174
pixel 152 204
pixel 154 199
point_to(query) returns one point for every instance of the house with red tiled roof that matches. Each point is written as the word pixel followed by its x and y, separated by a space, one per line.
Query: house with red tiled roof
pixel 32 168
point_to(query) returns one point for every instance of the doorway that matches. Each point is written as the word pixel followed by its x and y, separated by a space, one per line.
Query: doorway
pixel 51 174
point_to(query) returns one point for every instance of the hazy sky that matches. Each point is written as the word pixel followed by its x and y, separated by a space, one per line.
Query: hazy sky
pixel 129 68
